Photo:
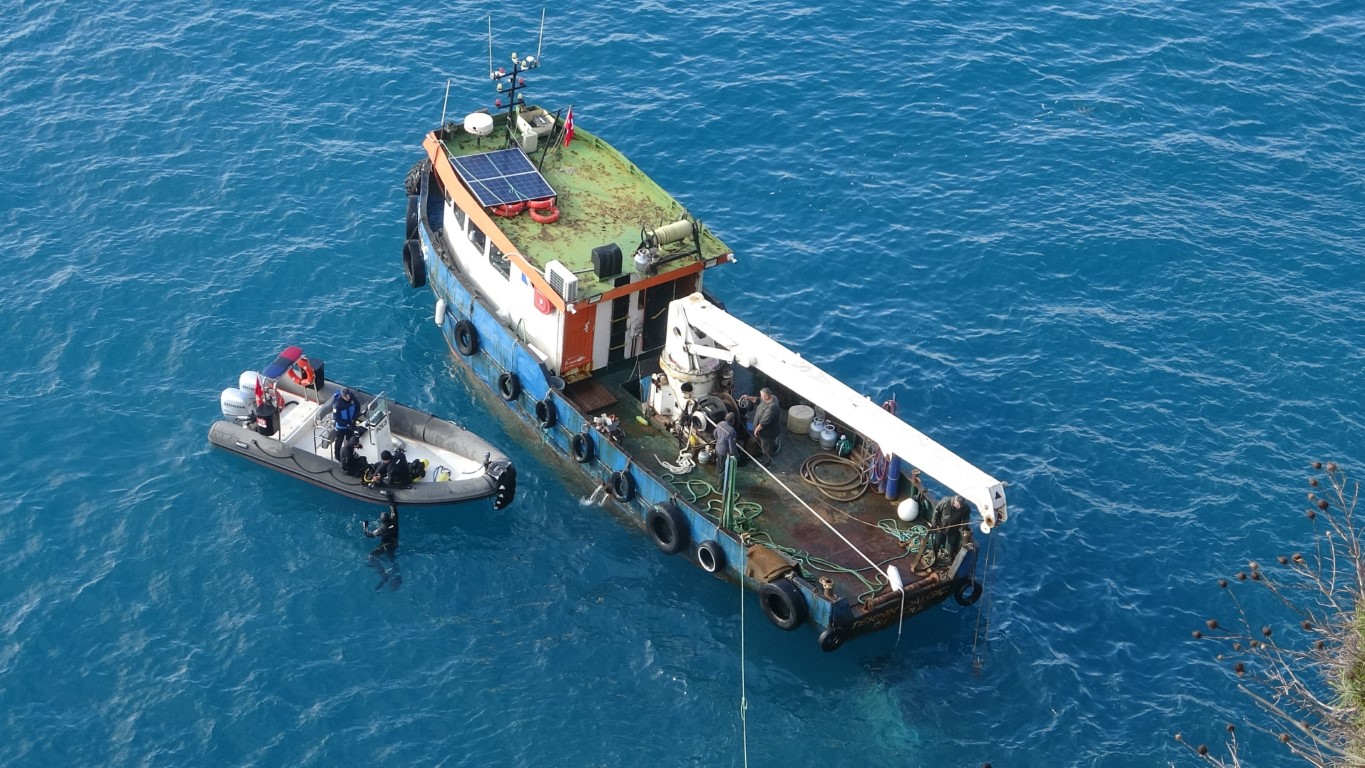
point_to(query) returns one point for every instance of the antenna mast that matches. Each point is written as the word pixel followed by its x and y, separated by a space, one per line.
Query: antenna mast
pixel 541 42
pixel 490 46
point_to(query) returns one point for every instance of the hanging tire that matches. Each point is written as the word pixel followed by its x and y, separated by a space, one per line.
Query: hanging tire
pixel 466 338
pixel 413 266
pixel 413 183
pixel 831 640
pixel 667 528
pixel 783 604
pixel 414 218
pixel 582 448
pixel 622 486
pixel 546 414
pixel 710 556
pixel 968 591
pixel 509 386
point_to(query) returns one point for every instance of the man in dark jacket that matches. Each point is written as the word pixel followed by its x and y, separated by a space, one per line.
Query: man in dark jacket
pixel 766 415
pixel 950 516
pixel 344 412
pixel 726 444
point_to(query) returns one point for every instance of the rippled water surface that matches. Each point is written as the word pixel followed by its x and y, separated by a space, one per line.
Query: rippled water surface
pixel 1109 252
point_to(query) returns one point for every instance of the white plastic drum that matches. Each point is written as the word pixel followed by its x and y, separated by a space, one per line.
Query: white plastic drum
pixel 799 418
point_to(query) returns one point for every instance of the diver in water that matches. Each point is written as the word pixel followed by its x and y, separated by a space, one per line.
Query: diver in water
pixel 386 530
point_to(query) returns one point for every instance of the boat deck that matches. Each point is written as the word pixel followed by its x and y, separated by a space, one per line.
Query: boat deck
pixel 787 505
pixel 306 424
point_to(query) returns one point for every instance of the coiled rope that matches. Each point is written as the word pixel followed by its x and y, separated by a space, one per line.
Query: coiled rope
pixel 839 490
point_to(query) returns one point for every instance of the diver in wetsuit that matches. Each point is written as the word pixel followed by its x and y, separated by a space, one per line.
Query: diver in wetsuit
pixel 386 530
pixel 949 518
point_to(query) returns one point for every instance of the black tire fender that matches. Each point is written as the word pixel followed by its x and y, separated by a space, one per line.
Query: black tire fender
pixel 414 216
pixel 831 639
pixel 466 338
pixel 783 604
pixel 546 415
pixel 622 486
pixel 710 556
pixel 509 386
pixel 667 528
pixel 413 183
pixel 965 597
pixel 582 448
pixel 413 266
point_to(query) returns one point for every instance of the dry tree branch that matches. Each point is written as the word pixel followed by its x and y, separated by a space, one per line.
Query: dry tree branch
pixel 1309 679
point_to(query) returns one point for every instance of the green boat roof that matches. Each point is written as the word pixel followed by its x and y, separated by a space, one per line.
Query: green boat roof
pixel 602 198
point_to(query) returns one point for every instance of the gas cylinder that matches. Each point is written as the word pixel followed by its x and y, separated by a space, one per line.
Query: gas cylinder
pixel 828 437
pixel 817 427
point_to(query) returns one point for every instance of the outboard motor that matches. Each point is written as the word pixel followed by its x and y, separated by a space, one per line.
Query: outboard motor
pixel 506 479
pixel 236 404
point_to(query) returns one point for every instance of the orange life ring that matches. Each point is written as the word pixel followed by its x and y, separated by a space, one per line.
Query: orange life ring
pixel 301 373
pixel 508 210
pixel 547 216
pixel 542 204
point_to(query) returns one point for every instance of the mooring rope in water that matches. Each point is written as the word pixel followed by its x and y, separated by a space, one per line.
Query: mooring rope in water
pixel 743 693
pixel 982 612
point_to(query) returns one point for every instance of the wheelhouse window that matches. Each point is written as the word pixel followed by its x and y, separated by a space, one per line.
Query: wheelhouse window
pixel 499 261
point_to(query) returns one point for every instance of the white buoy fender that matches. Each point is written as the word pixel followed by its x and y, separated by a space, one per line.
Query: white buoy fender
pixel 894 575
pixel 440 312
pixel 908 510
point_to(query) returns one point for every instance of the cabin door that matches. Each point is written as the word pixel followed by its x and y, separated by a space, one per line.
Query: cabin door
pixel 657 300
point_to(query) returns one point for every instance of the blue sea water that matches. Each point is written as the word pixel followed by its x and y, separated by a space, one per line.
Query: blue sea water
pixel 1110 252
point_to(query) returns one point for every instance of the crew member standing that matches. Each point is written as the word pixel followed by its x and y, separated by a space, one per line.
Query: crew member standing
pixel 344 412
pixel 726 445
pixel 766 415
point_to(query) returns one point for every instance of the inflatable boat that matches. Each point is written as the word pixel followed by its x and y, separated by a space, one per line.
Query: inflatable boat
pixel 281 417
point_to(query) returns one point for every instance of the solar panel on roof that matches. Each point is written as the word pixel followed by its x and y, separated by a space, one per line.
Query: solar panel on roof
pixel 502 177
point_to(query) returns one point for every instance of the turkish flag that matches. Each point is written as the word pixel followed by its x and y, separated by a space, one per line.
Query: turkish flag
pixel 568 127
pixel 260 392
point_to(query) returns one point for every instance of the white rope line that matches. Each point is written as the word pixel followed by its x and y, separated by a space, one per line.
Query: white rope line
pixel 817 516
pixel 808 507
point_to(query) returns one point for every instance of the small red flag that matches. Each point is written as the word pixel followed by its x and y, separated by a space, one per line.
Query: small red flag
pixel 260 392
pixel 568 127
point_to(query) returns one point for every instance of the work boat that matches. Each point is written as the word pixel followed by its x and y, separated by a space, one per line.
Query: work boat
pixel 282 417
pixel 571 286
